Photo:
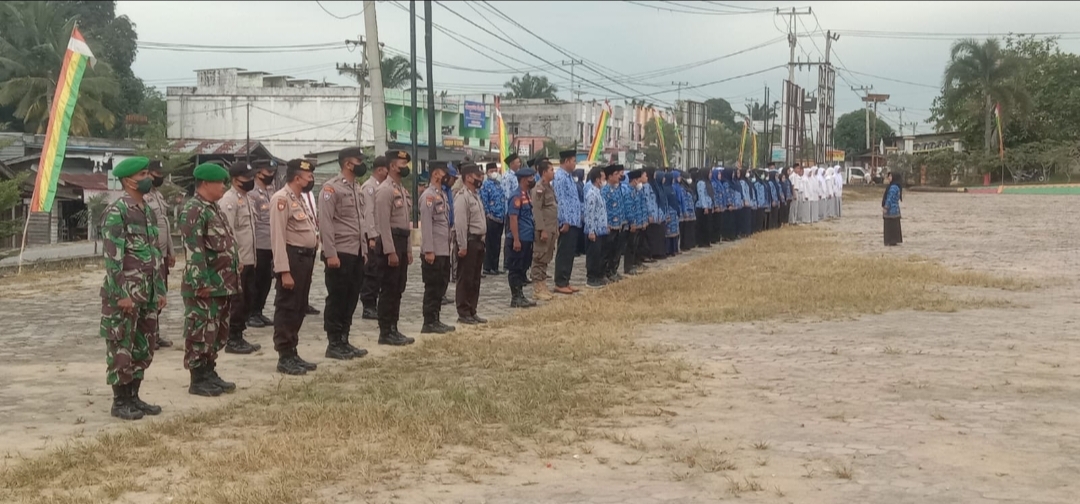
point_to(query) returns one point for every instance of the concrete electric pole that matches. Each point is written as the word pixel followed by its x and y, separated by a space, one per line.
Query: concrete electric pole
pixel 374 59
pixel 792 42
pixel 572 62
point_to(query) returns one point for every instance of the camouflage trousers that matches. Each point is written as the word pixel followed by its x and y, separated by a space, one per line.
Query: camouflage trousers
pixel 206 329
pixel 129 342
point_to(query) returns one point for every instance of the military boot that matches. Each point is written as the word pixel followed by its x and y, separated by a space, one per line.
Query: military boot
pixel 256 320
pixel 370 313
pixel 310 366
pixel 519 300
pixel 201 384
pixel 146 408
pixel 540 291
pixel 163 342
pixel 122 406
pixel 286 365
pixel 335 349
pixel 238 345
pixel 212 377
pixel 359 352
pixel 408 340
pixel 389 336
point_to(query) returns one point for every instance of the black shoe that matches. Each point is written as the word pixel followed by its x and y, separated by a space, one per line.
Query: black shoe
pixel 357 352
pixel 487 272
pixel 432 328
pixel 446 301
pixel 392 339
pixel 394 330
pixel 467 320
pixel 212 377
pixel 370 314
pixel 238 345
pixel 310 310
pixel 265 320
pixel 146 408
pixel 310 366
pixel 255 321
pixel 337 350
pixel 122 406
pixel 595 284
pixel 286 365
pixel 479 320
pixel 201 384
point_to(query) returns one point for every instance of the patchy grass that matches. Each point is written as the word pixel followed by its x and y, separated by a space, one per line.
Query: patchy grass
pixel 521 386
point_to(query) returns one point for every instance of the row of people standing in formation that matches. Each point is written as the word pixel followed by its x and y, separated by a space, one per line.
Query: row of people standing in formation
pixel 820 193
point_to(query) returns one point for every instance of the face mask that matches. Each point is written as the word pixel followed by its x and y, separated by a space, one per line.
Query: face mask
pixel 144 185
pixel 267 179
pixel 493 175
pixel 622 178
pixel 445 184
pixel 404 171
pixel 359 170
pixel 247 186
pixel 532 183
pixel 158 181
pixel 309 186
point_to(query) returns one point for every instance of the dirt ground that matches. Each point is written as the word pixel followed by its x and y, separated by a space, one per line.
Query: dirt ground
pixel 904 407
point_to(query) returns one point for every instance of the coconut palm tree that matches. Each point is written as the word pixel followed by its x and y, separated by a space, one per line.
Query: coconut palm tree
pixel 395 73
pixel 982 75
pixel 528 86
pixel 32 47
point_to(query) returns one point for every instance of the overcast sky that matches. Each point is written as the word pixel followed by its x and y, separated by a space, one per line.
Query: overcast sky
pixel 621 39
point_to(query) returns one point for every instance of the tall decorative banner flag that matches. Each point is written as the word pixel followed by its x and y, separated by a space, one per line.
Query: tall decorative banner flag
pixel 504 139
pixel 76 58
pixel 1001 139
pixel 753 150
pixel 742 144
pixel 660 138
pixel 599 134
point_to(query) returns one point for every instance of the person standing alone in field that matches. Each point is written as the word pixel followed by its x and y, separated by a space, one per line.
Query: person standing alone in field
pixel 890 210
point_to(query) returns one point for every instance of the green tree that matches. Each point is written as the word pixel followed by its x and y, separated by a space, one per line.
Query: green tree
pixel 977 77
pixel 10 195
pixel 718 109
pixel 32 46
pixel 850 132
pixel 1052 80
pixel 722 144
pixel 395 71
pixel 529 86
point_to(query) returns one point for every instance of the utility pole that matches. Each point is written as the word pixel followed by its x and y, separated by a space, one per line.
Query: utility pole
pixel 768 130
pixel 412 123
pixel 680 85
pixel 864 89
pixel 827 95
pixel 875 99
pixel 432 139
pixel 901 122
pixel 572 62
pixel 360 70
pixel 792 41
pixel 247 144
pixel 374 61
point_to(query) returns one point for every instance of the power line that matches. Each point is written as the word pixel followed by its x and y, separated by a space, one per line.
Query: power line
pixel 699 12
pixel 889 79
pixel 721 81
pixel 337 16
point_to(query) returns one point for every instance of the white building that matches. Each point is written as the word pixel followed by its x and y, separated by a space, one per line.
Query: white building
pixel 290 117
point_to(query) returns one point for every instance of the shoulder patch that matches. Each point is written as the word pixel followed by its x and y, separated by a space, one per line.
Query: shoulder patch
pixel 328 189
pixel 327 194
pixel 517 203
pixel 281 205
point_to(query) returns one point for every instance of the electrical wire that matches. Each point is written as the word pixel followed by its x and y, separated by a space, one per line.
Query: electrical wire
pixel 699 12
pixel 928 86
pixel 337 16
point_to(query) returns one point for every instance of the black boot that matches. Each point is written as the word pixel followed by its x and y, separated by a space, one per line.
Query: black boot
pixel 310 366
pixel 212 377
pixel 519 300
pixel 163 342
pixel 431 327
pixel 408 340
pixel 238 345
pixel 357 352
pixel 335 349
pixel 445 328
pixel 201 384
pixel 146 408
pixel 370 314
pixel 389 337
pixel 256 320
pixel 286 365
pixel 122 406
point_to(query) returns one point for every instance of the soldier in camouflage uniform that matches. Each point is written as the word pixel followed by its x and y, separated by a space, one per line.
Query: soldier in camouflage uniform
pixel 133 291
pixel 211 276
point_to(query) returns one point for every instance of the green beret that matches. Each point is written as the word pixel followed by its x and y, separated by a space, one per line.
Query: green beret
pixel 130 166
pixel 211 172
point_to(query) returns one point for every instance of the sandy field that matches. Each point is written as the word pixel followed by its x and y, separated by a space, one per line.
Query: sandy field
pixel 976 406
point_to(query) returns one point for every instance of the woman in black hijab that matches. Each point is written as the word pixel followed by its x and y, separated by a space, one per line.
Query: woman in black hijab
pixel 890 209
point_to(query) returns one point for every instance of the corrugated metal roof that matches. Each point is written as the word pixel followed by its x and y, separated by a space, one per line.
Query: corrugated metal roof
pixel 92 181
pixel 220 147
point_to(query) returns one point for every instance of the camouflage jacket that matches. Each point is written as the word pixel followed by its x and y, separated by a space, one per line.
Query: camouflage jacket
pixel 213 260
pixel 132 259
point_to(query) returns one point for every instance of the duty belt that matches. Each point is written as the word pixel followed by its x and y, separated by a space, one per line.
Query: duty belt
pixel 301 251
pixel 400 232
pixel 475 237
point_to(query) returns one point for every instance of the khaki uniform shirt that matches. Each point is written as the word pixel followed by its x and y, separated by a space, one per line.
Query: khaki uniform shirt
pixel 261 202
pixel 239 211
pixel 469 217
pixel 341 218
pixel 392 208
pixel 434 222
pixel 545 209
pixel 367 206
pixel 156 201
pixel 291 223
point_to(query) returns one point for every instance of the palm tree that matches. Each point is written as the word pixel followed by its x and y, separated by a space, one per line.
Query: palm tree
pixel 528 86
pixel 982 75
pixel 32 51
pixel 395 73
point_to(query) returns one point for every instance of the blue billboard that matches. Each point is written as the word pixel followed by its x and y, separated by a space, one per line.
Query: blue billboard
pixel 475 115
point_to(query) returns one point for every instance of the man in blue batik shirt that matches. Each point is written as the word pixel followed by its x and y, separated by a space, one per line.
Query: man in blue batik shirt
pixel 570 221
pixel 494 200
pixel 616 215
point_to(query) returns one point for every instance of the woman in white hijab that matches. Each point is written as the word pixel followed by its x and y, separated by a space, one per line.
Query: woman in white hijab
pixel 812 194
pixel 823 194
pixel 796 195
pixel 839 190
pixel 830 194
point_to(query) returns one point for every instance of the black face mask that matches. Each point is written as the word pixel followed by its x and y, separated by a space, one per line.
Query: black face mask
pixel 403 171
pixel 158 181
pixel 359 170
pixel 532 183
pixel 267 179
pixel 247 186
pixel 309 186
